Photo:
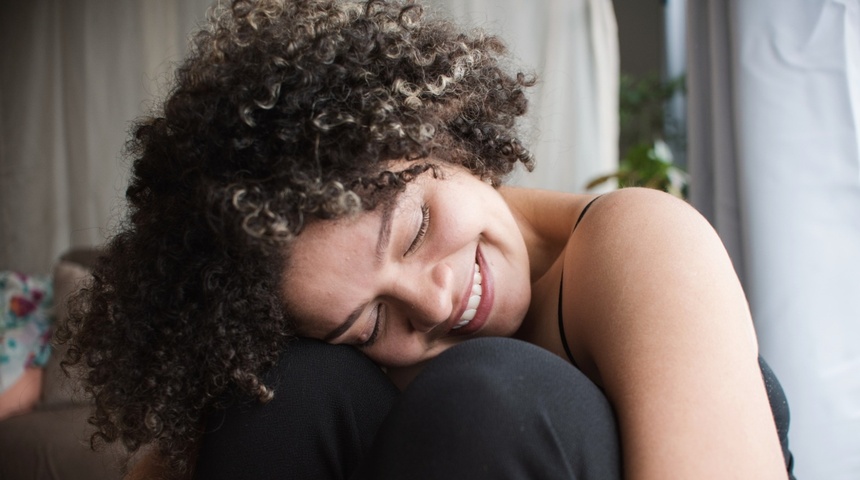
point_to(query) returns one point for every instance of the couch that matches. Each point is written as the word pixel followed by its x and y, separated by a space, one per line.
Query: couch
pixel 51 441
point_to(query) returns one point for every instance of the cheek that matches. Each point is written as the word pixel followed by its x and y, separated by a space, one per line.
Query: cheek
pixel 513 292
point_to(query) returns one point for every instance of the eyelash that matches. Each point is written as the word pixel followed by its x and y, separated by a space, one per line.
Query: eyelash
pixel 422 230
pixel 375 333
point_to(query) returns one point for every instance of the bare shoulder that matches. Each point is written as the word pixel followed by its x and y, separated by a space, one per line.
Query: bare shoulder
pixel 659 319
pixel 639 231
pixel 642 260
pixel 657 212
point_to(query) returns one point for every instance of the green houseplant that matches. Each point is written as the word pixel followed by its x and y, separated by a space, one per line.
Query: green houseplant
pixel 646 159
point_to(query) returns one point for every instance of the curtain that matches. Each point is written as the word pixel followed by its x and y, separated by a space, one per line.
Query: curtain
pixel 73 75
pixel 774 157
pixel 572 46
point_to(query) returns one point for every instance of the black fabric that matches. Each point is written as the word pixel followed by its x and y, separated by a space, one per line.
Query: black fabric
pixel 329 401
pixel 492 408
pixel 781 415
pixel 497 408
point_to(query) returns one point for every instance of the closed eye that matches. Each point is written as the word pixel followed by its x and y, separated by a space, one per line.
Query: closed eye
pixel 375 333
pixel 422 231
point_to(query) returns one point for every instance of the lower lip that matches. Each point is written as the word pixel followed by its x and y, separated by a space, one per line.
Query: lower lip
pixel 486 304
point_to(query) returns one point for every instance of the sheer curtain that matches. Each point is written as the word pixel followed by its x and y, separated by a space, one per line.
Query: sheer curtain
pixel 72 77
pixel 774 91
pixel 74 74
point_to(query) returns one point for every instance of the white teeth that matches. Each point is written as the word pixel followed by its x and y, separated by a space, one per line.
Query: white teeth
pixel 474 299
pixel 467 317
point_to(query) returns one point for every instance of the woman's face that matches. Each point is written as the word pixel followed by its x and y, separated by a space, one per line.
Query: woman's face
pixel 443 263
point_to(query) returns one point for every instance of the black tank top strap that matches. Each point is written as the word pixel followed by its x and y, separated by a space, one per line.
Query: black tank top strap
pixel 561 290
pixel 561 324
pixel 582 213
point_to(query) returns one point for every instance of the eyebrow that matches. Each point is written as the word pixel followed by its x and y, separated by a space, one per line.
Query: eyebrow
pixel 381 247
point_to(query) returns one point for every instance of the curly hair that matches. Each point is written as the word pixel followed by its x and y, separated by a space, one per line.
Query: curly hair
pixel 284 112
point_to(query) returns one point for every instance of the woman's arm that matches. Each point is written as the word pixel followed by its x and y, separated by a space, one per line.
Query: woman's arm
pixel 23 394
pixel 656 315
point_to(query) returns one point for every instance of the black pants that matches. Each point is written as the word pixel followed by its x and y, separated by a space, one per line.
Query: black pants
pixel 490 408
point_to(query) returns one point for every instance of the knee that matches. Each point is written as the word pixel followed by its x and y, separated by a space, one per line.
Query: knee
pixel 511 374
pixel 323 380
pixel 328 402
pixel 500 370
pixel 330 367
pixel 499 405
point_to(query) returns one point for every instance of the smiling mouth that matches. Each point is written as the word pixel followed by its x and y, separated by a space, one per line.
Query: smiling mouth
pixel 474 300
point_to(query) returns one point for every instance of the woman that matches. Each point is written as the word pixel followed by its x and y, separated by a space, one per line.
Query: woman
pixel 331 171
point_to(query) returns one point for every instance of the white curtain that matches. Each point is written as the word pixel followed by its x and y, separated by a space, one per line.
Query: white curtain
pixel 73 74
pixel 774 92
pixel 572 46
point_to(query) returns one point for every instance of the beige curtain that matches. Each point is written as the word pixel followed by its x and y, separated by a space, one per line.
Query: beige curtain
pixel 73 74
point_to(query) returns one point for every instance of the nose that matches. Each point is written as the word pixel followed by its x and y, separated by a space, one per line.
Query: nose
pixel 428 297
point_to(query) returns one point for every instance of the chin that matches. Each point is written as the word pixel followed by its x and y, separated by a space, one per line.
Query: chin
pixel 511 327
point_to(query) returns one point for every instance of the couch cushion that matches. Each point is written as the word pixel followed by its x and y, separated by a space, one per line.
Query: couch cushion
pixel 54 444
